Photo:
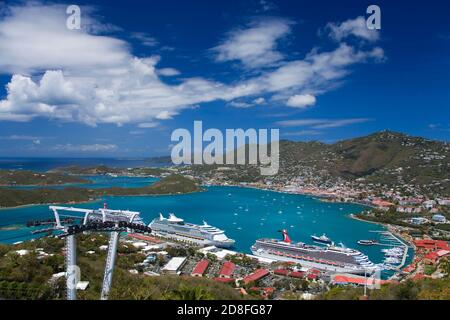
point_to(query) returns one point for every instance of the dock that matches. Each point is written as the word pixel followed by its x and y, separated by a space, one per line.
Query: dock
pixel 405 251
pixel 394 241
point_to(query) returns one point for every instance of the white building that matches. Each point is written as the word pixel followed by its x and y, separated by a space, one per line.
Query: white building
pixel 22 252
pixel 222 253
pixel 429 204
pixel 419 220
pixel 439 218
pixel 174 265
pixel 139 244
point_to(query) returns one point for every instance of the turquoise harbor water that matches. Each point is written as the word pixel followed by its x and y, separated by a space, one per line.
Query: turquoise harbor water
pixel 245 214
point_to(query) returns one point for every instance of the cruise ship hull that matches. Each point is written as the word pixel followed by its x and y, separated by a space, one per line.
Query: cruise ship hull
pixel 199 235
pixel 331 259
pixel 194 240
pixel 311 264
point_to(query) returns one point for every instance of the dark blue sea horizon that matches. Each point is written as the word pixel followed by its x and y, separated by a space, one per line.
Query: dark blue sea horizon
pixel 43 164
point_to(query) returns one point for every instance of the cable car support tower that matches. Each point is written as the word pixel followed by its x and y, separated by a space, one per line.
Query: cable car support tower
pixel 100 220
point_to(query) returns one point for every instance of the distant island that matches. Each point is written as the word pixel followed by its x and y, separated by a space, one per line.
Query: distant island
pixel 105 170
pixel 172 184
pixel 31 178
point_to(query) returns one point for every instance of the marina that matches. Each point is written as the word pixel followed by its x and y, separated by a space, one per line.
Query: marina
pixel 397 253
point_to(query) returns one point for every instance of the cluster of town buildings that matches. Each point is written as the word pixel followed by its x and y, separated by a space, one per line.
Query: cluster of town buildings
pixel 263 276
pixel 429 254
pixel 418 205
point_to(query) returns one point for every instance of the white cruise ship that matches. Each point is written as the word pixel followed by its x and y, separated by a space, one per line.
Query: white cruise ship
pixel 204 235
pixel 331 258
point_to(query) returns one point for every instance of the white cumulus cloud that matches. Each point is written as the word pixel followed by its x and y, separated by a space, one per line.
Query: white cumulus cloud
pixel 301 101
pixel 86 147
pixel 321 123
pixel 168 72
pixel 352 27
pixel 83 76
pixel 254 46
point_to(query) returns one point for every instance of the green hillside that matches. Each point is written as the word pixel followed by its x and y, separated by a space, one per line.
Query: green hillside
pixel 28 178
pixel 174 184
pixel 387 158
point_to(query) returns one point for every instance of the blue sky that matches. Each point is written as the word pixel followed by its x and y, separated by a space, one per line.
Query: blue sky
pixel 137 71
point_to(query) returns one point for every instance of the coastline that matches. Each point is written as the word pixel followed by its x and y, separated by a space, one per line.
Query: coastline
pixel 95 200
pixel 43 185
pixel 354 217
pixel 44 204
pixel 389 227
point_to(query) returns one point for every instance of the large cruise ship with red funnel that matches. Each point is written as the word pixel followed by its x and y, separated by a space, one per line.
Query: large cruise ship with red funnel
pixel 330 258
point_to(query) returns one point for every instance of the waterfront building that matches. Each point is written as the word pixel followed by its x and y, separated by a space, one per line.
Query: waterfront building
pixel 434 257
pixel 428 244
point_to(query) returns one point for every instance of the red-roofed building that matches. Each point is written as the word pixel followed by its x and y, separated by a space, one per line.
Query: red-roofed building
pixel 384 205
pixel 255 276
pixel 360 281
pixel 264 292
pixel 442 253
pixel 281 272
pixel 227 269
pixel 315 271
pixel 268 292
pixel 297 274
pixel 433 257
pixel 200 268
pixel 144 238
pixel 312 276
pixel 426 244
